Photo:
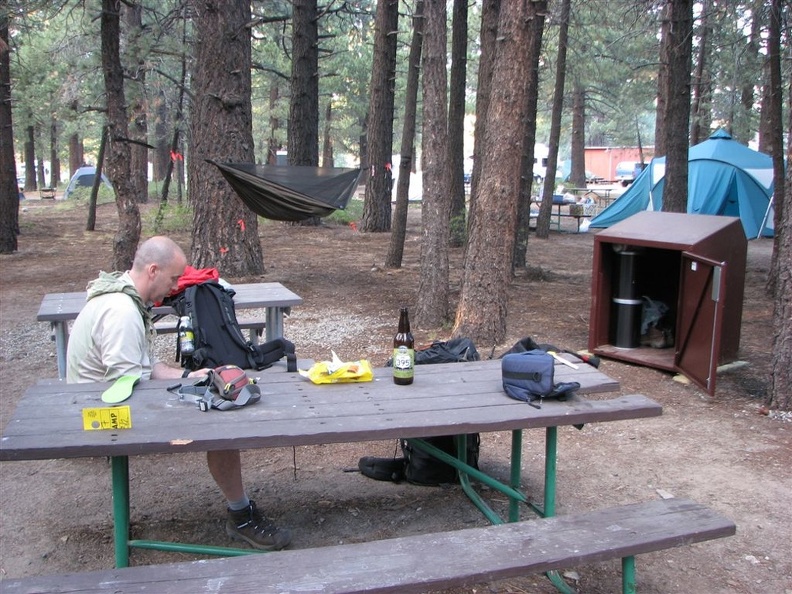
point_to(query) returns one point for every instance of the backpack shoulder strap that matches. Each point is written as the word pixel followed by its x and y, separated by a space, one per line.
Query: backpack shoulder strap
pixel 226 302
pixel 266 354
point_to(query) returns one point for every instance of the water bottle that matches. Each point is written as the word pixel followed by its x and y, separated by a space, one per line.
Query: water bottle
pixel 186 336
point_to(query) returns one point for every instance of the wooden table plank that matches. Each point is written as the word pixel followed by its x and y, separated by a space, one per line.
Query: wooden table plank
pixel 66 306
pixel 446 399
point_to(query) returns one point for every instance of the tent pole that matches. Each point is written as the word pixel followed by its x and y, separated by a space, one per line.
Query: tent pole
pixel 767 214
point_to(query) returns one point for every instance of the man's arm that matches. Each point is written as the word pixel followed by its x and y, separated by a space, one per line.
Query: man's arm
pixel 164 371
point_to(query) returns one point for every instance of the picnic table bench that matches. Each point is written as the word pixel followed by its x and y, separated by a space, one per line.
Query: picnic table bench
pixel 253 326
pixel 60 308
pixel 424 562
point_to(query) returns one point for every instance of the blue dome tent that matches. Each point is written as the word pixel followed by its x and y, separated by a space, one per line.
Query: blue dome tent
pixel 724 178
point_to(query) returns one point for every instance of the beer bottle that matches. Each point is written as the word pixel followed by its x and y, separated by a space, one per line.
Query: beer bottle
pixel 403 352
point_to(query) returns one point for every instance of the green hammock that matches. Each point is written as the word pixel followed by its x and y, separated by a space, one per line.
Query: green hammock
pixel 291 193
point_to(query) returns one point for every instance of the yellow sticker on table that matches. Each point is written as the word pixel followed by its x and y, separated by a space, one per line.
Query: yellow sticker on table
pixel 111 417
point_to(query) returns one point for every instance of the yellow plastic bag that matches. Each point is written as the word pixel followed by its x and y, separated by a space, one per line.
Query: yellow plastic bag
pixel 336 371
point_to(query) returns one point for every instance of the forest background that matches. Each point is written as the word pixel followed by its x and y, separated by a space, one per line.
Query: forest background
pixel 173 81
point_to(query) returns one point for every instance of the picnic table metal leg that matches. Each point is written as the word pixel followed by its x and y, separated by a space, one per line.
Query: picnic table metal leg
pixel 274 322
pixel 120 480
pixel 515 472
pixel 466 472
pixel 628 575
pixel 547 509
pixel 551 455
pixel 61 341
pixel 551 466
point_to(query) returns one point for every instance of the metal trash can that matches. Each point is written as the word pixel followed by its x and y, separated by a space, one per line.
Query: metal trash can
pixel 626 302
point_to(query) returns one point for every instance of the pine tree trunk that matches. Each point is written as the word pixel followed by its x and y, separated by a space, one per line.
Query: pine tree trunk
pixel 117 161
pixel 482 310
pixel 75 154
pixel 399 221
pixel 9 190
pixel 432 306
pixel 304 107
pixel 543 223
pixel 161 154
pixel 54 159
pixel 781 267
pixel 698 132
pixel 379 176
pixel 536 12
pixel 136 85
pixel 327 142
pixel 577 175
pixel 743 129
pixel 303 134
pixel 677 115
pixel 30 159
pixel 781 377
pixel 775 142
pixel 456 121
pixel 225 233
pixel 490 12
pixel 662 79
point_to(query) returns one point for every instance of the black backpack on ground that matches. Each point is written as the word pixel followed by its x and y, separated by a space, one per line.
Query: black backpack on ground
pixel 218 337
pixel 417 466
pixel 422 469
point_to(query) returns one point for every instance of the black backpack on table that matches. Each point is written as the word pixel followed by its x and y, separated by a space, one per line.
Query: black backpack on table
pixel 218 338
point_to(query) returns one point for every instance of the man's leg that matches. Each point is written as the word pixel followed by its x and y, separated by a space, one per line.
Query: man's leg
pixel 244 522
pixel 226 469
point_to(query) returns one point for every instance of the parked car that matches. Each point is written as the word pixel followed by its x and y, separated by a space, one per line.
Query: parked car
pixel 627 171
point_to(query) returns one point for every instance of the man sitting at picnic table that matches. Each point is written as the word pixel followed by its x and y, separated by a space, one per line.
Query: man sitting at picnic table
pixel 113 335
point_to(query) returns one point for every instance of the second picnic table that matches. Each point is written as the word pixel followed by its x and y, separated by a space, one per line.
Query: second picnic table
pixel 60 308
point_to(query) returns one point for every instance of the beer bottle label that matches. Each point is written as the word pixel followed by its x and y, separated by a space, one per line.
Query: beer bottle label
pixel 403 362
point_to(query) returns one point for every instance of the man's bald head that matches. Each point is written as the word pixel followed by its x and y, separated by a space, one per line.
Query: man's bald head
pixel 158 264
pixel 159 250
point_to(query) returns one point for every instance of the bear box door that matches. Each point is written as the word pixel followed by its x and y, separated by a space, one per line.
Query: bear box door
pixel 699 327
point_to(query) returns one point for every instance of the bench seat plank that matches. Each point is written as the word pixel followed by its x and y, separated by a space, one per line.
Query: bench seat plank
pixel 170 326
pixel 418 563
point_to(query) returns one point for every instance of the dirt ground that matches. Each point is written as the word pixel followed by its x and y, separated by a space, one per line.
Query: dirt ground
pixel 55 515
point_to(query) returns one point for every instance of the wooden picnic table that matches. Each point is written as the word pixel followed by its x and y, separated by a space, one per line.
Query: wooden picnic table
pixel 556 215
pixel 448 399
pixel 60 308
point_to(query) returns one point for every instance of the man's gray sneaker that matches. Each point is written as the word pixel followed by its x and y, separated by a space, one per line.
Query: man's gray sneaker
pixel 255 529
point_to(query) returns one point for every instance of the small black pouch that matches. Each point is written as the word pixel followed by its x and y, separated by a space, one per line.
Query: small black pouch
pixel 528 376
